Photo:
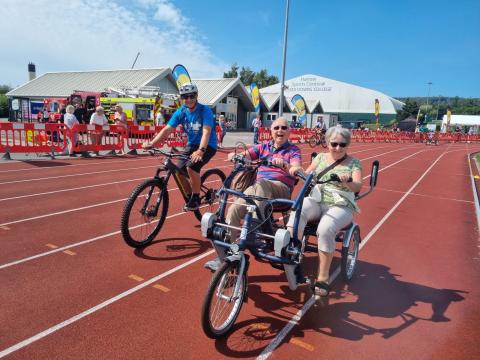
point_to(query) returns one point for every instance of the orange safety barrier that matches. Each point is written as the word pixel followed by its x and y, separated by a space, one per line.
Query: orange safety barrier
pixel 32 138
pixel 88 137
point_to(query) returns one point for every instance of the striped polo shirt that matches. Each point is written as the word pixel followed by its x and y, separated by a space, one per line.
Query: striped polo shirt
pixel 288 152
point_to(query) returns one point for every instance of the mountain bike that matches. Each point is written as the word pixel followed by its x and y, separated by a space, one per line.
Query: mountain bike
pixel 318 138
pixel 146 208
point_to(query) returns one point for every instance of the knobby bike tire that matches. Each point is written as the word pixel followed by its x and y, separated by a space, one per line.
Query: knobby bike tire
pixel 350 256
pixel 323 142
pixel 212 330
pixel 129 234
pixel 313 141
pixel 211 189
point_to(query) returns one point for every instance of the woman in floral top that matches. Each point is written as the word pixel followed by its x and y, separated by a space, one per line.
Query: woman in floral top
pixel 332 204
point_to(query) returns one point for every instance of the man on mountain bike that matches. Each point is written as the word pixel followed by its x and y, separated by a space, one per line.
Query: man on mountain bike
pixel 197 120
pixel 272 182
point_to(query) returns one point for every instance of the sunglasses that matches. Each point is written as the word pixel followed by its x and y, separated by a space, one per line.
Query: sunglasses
pixel 280 127
pixel 189 96
pixel 335 144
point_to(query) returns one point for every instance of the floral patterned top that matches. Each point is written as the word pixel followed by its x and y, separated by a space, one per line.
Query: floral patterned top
pixel 335 193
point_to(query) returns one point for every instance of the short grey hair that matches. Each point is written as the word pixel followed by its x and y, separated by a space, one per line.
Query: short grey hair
pixel 338 130
pixel 70 109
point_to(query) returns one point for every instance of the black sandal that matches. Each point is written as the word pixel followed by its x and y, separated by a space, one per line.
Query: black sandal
pixel 321 288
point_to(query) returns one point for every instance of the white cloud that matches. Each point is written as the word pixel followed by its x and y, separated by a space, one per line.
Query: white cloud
pixel 89 35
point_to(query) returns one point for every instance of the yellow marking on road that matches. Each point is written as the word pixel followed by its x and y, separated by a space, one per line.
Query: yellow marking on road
pixel 51 246
pixel 161 287
pixel 68 252
pixel 259 326
pixel 302 344
pixel 135 277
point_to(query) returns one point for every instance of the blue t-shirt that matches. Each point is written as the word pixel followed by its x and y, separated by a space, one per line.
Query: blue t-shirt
pixel 193 122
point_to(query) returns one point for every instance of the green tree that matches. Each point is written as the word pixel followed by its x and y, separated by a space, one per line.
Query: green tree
pixel 232 73
pixel 247 76
pixel 4 100
pixel 409 109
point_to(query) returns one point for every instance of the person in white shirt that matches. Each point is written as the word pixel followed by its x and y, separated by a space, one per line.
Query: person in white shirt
pixel 98 118
pixel 70 120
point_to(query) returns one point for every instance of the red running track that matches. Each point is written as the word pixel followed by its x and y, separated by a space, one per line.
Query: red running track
pixel 415 293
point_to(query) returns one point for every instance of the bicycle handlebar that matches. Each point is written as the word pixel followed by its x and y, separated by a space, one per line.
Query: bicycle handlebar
pixel 154 151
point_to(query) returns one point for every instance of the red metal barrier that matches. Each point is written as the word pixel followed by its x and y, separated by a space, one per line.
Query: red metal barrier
pixel 96 137
pixel 32 138
pixel 137 135
pixel 296 135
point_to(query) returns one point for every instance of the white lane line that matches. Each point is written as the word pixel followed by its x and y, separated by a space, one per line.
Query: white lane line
pixel 424 195
pixel 78 209
pixel 16 262
pixel 100 306
pixel 74 175
pixel 69 165
pixel 474 189
pixel 71 189
pixel 117 232
pixel 295 320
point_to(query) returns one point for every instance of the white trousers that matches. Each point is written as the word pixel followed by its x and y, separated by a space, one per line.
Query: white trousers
pixel 332 219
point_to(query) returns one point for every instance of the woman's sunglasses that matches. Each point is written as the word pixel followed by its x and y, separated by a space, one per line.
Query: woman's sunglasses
pixel 335 144
pixel 280 127
pixel 189 96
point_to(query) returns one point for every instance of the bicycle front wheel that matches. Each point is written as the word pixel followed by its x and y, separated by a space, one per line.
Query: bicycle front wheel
pixel 221 305
pixel 312 141
pixel 323 142
pixel 144 213
pixel 211 181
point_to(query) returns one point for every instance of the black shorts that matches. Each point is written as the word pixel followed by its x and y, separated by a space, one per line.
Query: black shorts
pixel 208 154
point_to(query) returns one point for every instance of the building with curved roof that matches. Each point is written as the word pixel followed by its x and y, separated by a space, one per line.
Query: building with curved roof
pixel 350 104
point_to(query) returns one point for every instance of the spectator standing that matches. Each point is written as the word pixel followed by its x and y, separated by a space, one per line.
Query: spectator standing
pixel 256 124
pixel 98 118
pixel 70 120
pixel 120 117
pixel 80 113
pixel 160 120
pixel 46 115
pixel 223 125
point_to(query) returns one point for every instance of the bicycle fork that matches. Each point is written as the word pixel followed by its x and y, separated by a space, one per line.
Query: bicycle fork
pixel 239 255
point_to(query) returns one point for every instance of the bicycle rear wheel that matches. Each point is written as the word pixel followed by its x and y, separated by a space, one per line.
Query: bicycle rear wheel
pixel 211 181
pixel 350 255
pixel 144 213
pixel 221 306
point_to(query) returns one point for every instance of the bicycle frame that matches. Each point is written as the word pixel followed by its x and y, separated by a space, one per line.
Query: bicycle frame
pixel 245 241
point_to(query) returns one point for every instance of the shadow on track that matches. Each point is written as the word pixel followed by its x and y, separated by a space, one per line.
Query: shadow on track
pixel 375 302
pixel 173 249
pixel 46 163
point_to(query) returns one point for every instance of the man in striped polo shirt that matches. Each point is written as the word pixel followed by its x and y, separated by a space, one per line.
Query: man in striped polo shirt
pixel 273 182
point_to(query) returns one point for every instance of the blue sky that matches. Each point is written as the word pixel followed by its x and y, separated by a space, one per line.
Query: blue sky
pixel 394 47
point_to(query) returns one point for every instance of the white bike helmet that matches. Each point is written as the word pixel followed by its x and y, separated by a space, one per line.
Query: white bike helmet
pixel 188 89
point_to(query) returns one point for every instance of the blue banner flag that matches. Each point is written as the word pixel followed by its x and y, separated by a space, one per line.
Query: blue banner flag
pixel 255 96
pixel 181 76
pixel 300 107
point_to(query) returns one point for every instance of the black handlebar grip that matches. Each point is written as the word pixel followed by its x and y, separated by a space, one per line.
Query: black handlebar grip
pixel 334 177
